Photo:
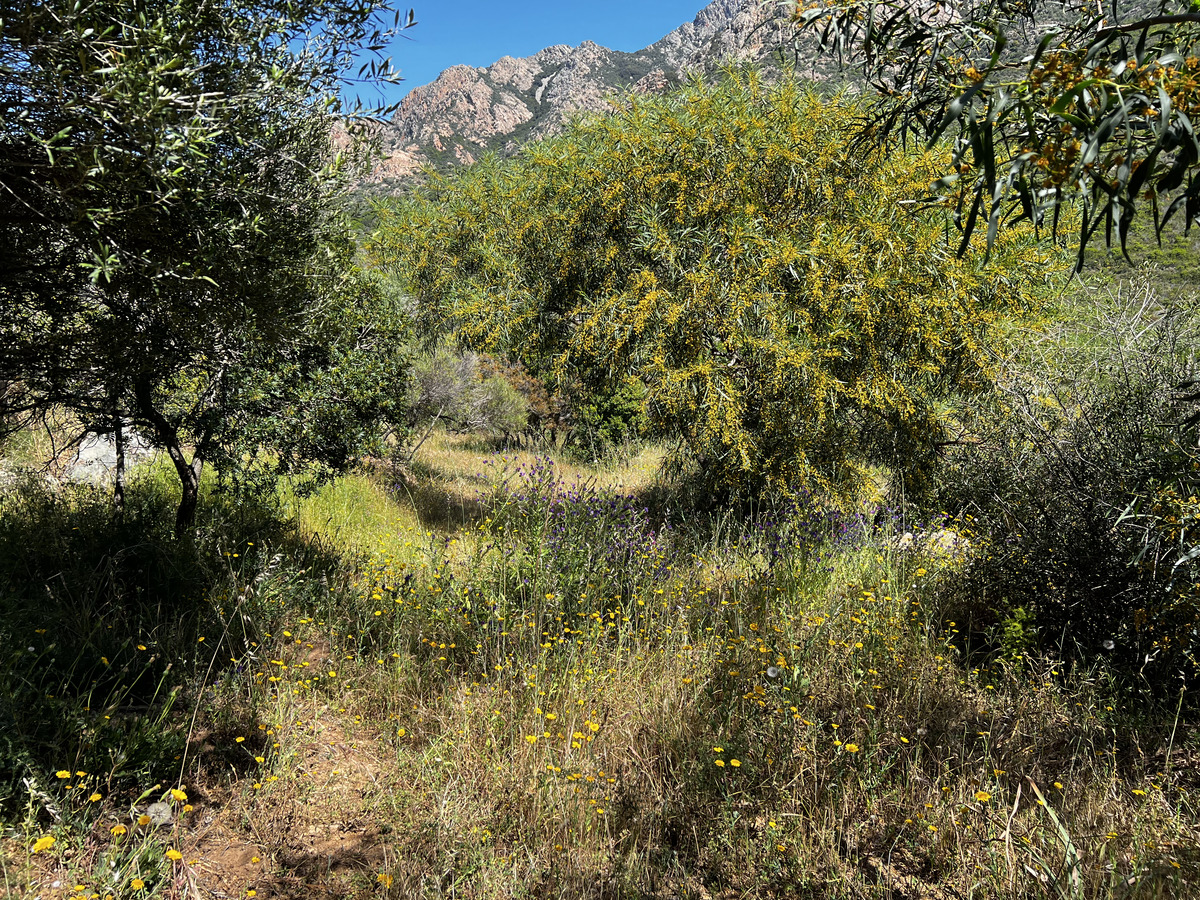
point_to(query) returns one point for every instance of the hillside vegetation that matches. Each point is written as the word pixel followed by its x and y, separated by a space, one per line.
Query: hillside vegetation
pixel 738 539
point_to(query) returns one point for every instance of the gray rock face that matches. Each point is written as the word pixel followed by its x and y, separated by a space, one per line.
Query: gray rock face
pixel 725 30
pixel 462 103
pixel 468 110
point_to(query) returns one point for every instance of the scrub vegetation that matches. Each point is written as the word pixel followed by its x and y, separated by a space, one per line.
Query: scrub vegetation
pixel 722 533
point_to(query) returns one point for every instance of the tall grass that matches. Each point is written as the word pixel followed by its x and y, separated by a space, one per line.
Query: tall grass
pixel 562 690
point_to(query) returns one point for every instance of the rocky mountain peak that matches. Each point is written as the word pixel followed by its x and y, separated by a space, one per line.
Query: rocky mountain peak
pixel 468 111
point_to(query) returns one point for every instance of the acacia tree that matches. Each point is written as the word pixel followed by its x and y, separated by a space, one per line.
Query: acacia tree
pixel 791 322
pixel 1049 102
pixel 170 252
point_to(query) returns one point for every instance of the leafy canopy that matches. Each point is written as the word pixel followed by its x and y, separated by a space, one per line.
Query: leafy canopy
pixel 171 256
pixel 1048 101
pixel 792 321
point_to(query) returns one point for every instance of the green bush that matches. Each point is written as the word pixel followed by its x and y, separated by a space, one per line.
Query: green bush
pixel 605 421
pixel 1081 487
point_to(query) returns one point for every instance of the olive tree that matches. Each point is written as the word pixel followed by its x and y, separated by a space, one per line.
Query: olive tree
pixel 171 256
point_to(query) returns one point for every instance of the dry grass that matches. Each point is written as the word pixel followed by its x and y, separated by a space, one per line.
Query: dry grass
pixel 490 709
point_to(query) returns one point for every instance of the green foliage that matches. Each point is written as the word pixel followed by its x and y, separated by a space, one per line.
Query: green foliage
pixel 589 425
pixel 315 404
pixel 1050 103
pixel 1082 488
pixel 1017 635
pixel 171 256
pixel 789 317
pixel 454 390
pixel 601 422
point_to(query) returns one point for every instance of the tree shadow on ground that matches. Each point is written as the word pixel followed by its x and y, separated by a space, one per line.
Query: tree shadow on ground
pixel 119 629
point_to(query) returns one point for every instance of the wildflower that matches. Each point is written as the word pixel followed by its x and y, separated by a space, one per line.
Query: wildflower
pixel 178 794
pixel 735 762
pixel 137 884
pixel 174 855
pixel 384 879
pixel 851 748
pixel 94 798
pixel 532 738
pixel 720 763
pixel 983 796
pixel 118 830
pixel 143 819
pixel 62 773
pixel 45 842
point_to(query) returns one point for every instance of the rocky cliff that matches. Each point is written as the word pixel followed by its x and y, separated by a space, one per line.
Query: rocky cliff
pixel 468 111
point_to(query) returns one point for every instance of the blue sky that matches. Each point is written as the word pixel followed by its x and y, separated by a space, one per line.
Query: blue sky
pixel 449 32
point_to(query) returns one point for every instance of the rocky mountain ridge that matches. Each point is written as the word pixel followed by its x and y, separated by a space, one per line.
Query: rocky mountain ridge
pixel 469 111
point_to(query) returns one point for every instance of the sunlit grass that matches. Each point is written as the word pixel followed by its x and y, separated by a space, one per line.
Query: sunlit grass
pixel 462 461
pixel 355 514
pixel 561 688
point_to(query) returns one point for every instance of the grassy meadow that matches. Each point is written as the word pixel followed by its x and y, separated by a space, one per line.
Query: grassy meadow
pixel 509 675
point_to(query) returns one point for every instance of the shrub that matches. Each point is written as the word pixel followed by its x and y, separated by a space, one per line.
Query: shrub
pixel 1082 490
pixel 603 421
pixel 453 390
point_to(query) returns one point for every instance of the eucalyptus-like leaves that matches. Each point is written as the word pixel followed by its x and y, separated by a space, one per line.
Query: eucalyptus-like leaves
pixel 1048 102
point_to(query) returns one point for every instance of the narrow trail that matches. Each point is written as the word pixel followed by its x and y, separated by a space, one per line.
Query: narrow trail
pixel 313 818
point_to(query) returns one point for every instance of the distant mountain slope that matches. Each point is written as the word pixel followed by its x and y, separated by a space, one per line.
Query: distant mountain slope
pixel 468 111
